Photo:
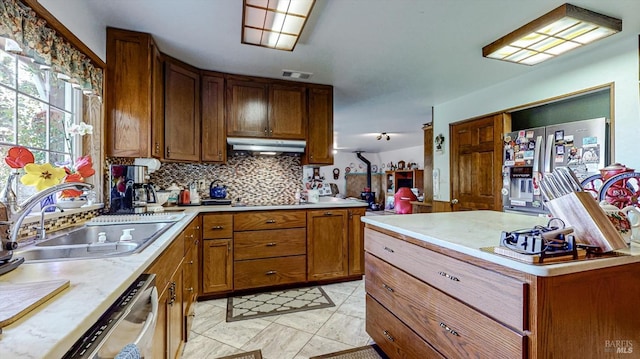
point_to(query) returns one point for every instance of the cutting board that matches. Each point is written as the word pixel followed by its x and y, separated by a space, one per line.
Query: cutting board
pixel 19 299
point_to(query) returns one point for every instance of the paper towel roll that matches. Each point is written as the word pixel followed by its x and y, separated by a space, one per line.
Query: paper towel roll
pixel 151 163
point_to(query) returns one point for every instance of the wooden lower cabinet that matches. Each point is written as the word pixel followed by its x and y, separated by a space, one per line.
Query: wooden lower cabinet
pixel 191 269
pixel 327 244
pixel 356 241
pixel 217 265
pixel 172 272
pixel 258 249
pixel 175 316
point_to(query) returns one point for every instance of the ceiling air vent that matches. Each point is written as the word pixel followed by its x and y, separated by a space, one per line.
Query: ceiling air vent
pixel 296 74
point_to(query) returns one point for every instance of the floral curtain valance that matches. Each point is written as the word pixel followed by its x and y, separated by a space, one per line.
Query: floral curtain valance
pixel 45 46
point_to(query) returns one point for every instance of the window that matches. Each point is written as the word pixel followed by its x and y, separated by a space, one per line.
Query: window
pixel 36 108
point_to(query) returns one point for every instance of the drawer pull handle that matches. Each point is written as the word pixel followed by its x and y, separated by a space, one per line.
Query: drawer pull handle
pixel 271 221
pixel 271 272
pixel 218 227
pixel 327 213
pixel 271 244
pixel 387 288
pixel 446 327
pixel 388 336
pixel 446 275
pixel 389 250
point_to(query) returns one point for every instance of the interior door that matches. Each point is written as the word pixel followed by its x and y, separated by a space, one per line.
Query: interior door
pixel 476 161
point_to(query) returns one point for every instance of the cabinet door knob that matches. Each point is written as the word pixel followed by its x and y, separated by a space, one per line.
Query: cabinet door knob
pixel 454 201
pixel 266 131
pixel 168 152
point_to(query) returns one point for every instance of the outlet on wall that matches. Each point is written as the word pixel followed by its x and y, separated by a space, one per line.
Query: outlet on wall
pixel 201 185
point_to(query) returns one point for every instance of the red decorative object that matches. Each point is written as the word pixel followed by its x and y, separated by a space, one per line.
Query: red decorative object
pixel 18 157
pixel 402 201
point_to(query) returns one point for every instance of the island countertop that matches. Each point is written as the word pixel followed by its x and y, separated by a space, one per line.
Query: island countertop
pixel 469 231
pixel 53 327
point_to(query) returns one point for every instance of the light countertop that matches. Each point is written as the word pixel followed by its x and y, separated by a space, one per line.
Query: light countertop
pixel 53 327
pixel 469 231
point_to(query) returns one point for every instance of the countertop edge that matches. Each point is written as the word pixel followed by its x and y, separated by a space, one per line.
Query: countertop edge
pixel 547 270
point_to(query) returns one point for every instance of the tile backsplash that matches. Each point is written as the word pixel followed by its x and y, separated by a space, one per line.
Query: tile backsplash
pixel 259 180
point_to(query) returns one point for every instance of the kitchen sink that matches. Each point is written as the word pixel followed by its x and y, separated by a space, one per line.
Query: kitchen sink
pixel 82 242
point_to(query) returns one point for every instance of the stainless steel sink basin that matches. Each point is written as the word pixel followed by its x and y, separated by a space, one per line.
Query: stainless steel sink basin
pixel 82 242
pixel 77 251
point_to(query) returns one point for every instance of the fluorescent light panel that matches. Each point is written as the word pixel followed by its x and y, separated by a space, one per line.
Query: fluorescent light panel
pixel 275 24
pixel 565 28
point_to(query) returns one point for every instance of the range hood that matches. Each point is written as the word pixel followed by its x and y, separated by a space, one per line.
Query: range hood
pixel 266 145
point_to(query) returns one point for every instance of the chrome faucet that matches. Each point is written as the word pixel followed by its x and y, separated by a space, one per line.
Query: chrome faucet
pixel 16 213
pixel 42 232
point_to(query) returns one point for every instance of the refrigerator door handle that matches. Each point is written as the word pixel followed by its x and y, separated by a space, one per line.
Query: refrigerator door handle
pixel 548 154
pixel 538 160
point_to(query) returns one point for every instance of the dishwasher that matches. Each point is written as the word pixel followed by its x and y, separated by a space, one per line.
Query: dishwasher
pixel 131 319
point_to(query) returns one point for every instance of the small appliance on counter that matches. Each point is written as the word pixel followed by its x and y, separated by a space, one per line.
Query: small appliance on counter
pixel 130 189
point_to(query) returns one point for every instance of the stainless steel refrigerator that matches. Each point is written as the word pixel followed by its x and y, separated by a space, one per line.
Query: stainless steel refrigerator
pixel 582 146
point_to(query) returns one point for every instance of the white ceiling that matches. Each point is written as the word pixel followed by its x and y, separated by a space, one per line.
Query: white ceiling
pixel 389 61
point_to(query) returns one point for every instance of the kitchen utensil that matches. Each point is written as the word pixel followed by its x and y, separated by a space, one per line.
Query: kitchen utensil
pixel 217 191
pixel 19 299
pixel 571 177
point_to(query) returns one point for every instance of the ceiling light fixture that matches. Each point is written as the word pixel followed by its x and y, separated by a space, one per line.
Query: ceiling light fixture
pixel 565 28
pixel 383 135
pixel 275 24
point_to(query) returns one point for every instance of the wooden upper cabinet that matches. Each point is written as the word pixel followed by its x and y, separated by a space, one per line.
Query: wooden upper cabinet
pixel 257 107
pixel 214 137
pixel 287 112
pixel 157 103
pixel 320 139
pixel 247 104
pixel 132 93
pixel 182 111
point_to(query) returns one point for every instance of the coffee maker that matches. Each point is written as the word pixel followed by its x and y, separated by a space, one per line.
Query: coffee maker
pixel 130 189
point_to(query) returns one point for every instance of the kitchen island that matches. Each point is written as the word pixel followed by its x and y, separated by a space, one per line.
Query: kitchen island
pixel 434 290
pixel 53 327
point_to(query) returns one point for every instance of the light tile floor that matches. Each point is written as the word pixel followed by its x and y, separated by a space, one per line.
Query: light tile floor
pixel 288 336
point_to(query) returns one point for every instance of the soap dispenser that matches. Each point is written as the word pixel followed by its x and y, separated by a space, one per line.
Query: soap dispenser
pixel 102 237
pixel 126 235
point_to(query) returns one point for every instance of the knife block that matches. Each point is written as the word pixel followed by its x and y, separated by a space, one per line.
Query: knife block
pixel 590 224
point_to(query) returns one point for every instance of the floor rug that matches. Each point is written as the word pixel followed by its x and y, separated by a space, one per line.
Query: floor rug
pixel 368 352
pixel 257 354
pixel 276 303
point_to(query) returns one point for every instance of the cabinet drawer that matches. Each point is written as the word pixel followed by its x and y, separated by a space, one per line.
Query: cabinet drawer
pixel 453 328
pixel 267 272
pixel 250 221
pixel 217 226
pixel 267 244
pixel 499 296
pixel 396 339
